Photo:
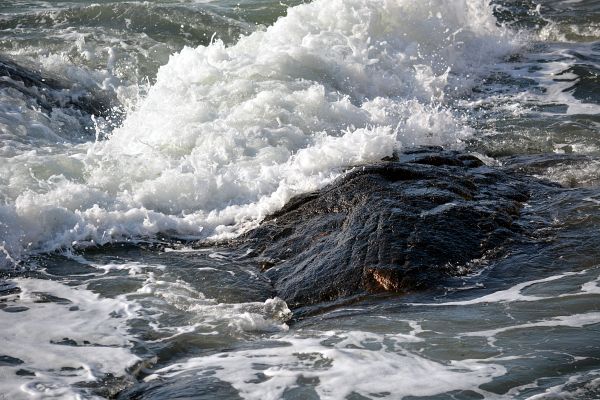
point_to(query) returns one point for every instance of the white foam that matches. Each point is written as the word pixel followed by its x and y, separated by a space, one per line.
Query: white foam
pixel 576 386
pixel 132 268
pixel 514 293
pixel 205 313
pixel 584 174
pixel 228 134
pixel 94 329
pixel 573 321
pixel 566 31
pixel 541 90
pixel 97 326
pixel 376 363
pixel 557 80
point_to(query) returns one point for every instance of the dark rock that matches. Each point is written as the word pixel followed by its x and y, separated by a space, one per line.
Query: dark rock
pixel 50 92
pixel 24 372
pixel 398 226
pixel 15 309
pixel 8 288
pixel 9 361
pixel 41 297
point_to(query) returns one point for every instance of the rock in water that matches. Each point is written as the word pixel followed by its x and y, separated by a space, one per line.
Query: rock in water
pixel 397 226
pixel 50 92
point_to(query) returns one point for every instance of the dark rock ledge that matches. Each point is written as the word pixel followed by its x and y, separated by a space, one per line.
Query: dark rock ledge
pixel 397 226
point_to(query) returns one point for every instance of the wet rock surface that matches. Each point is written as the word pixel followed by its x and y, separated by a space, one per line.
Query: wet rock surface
pixel 397 226
pixel 49 92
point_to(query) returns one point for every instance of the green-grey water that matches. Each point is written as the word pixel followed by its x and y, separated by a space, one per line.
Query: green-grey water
pixel 161 124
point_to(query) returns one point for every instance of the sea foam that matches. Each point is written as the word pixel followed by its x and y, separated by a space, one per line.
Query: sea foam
pixel 61 335
pixel 227 135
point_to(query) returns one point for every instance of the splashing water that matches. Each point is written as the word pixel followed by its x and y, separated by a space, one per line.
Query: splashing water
pixel 228 134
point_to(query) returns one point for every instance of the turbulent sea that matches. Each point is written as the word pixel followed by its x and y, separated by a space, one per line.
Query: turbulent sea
pixel 131 131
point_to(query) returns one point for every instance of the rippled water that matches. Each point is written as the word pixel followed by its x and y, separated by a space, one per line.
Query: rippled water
pixel 144 127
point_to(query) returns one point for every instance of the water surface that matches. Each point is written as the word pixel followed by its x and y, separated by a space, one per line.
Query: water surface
pixel 150 126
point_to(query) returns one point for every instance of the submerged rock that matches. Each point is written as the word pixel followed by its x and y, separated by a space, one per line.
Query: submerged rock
pixel 398 226
pixel 50 92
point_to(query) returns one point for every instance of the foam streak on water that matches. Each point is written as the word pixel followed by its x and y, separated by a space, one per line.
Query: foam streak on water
pixel 377 363
pixel 61 335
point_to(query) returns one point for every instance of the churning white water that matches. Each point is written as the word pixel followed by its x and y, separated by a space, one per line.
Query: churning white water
pixel 228 130
pixel 228 134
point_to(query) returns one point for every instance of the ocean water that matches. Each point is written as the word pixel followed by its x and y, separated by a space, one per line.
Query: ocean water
pixel 147 127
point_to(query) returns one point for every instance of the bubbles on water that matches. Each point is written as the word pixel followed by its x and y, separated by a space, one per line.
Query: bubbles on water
pixel 320 365
pixel 206 314
pixel 62 336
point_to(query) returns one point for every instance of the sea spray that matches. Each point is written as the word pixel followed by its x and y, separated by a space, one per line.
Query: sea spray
pixel 228 134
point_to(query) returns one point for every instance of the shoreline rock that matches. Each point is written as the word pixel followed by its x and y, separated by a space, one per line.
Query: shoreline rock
pixel 396 226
